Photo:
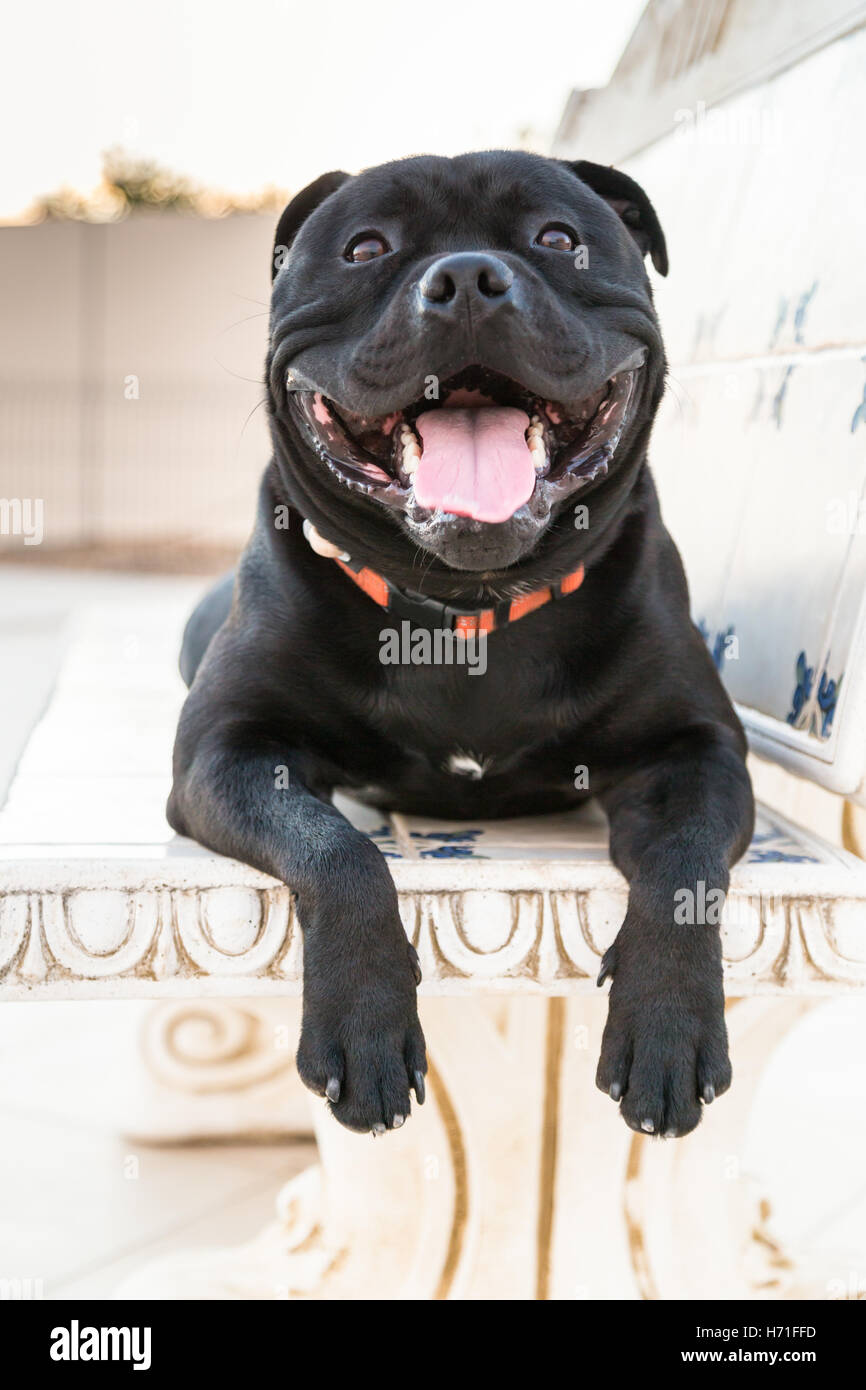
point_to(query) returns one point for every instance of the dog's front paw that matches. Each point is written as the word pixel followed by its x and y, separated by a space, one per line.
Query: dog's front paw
pixel 361 1042
pixel 664 1052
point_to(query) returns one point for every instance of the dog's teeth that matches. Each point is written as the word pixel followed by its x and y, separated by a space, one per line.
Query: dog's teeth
pixel 410 455
pixel 538 452
pixel 535 440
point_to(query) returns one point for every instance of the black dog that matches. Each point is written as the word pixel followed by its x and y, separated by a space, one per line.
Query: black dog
pixel 463 371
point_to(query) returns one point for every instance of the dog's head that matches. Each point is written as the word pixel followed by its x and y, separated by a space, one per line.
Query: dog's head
pixel 460 349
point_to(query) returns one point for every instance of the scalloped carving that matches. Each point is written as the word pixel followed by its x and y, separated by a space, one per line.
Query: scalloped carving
pixel 203 940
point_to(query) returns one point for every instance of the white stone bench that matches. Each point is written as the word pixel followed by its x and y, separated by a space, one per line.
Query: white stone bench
pixel 100 899
pixel 510 1182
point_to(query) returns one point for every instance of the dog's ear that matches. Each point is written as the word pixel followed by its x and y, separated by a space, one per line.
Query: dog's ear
pixel 299 210
pixel 631 205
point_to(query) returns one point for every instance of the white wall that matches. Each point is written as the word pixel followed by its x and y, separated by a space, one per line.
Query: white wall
pixel 178 302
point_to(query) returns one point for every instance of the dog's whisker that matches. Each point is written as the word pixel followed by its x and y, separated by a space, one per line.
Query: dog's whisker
pixel 258 405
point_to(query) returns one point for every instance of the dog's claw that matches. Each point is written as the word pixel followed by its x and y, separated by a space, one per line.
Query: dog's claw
pixel 377 1129
pixel 615 1091
pixel 709 1093
pixel 397 1121
pixel 647 1126
pixel 332 1090
pixel 420 1088
pixel 606 970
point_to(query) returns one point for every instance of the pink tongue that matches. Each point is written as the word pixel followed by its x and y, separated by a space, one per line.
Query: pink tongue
pixel 474 462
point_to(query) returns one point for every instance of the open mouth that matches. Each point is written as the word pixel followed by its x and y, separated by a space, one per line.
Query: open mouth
pixel 481 449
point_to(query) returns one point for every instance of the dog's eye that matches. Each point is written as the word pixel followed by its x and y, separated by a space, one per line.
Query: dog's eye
pixel 557 238
pixel 366 247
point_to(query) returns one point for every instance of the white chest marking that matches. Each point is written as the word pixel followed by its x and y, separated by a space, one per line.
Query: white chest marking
pixel 463 765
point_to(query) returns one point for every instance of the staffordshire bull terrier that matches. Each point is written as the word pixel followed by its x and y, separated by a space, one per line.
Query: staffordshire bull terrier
pixel 463 369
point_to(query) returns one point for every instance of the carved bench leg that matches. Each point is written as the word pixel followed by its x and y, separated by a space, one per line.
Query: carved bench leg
pixel 447 1207
pixel 518 1180
pixel 645 1218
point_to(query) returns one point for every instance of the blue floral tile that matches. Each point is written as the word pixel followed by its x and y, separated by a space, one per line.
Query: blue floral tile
pixel 771 844
pixel 572 837
pixel 813 709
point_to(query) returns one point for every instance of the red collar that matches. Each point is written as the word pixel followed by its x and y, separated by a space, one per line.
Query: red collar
pixel 468 622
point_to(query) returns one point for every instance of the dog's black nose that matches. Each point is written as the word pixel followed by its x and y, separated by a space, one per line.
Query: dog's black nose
pixel 466 275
